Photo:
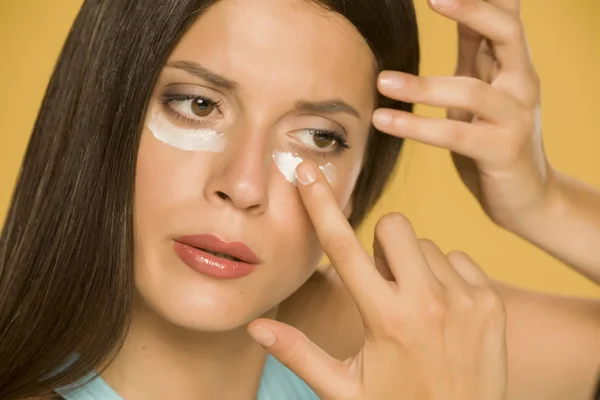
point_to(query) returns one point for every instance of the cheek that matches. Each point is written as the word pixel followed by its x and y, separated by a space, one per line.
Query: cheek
pixel 166 179
pixel 287 207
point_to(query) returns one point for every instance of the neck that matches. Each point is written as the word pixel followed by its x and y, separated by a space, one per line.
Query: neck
pixel 159 360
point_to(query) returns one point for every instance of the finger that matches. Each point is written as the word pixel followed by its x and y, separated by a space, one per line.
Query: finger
pixel 511 6
pixel 324 374
pixel 501 27
pixel 468 47
pixel 441 266
pixel 380 261
pixel 471 140
pixel 468 269
pixel 348 257
pixel 403 254
pixel 465 93
pixel 469 42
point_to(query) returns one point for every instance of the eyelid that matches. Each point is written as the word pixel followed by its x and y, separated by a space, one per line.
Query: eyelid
pixel 166 99
pixel 341 143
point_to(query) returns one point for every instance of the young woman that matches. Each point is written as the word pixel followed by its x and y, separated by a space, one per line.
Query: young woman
pixel 158 213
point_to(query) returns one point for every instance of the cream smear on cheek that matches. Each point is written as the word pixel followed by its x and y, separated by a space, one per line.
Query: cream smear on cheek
pixel 186 139
pixel 288 162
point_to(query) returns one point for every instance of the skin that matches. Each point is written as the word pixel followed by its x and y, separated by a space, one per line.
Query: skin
pixel 494 132
pixel 436 331
pixel 188 335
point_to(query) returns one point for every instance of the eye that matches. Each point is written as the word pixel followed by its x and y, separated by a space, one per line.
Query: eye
pixel 190 107
pixel 322 141
pixel 202 108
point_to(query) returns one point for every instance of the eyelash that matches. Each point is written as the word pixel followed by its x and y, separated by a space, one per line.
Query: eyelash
pixel 340 140
pixel 166 99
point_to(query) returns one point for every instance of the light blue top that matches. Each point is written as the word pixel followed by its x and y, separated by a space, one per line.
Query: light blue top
pixel 277 383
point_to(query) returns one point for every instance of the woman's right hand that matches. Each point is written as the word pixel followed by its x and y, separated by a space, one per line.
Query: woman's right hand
pixel 436 332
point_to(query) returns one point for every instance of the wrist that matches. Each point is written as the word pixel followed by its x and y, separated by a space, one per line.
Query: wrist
pixel 549 205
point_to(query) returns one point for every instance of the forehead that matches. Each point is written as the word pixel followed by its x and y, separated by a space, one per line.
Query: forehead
pixel 287 46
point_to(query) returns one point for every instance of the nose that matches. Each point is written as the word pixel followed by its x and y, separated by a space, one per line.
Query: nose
pixel 240 177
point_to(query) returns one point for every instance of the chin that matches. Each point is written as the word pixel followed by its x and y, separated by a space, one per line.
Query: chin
pixel 203 304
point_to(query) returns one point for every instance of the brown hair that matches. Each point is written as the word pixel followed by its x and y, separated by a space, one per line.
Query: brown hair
pixel 66 249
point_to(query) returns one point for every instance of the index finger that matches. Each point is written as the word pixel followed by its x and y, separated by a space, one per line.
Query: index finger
pixel 499 24
pixel 352 263
pixel 512 6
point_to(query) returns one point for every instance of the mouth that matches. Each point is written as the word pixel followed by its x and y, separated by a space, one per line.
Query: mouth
pixel 216 257
pixel 220 255
pixel 233 251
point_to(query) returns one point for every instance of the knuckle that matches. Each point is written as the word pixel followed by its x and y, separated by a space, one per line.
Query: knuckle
pixel 420 88
pixel 454 135
pixel 402 121
pixel 338 245
pixel 428 246
pixel 458 257
pixel 432 307
pixel 474 90
pixel 490 302
pixel 514 30
pixel 465 303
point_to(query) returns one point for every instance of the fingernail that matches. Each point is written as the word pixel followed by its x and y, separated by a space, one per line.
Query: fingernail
pixel 262 335
pixel 382 118
pixel 443 3
pixel 391 80
pixel 306 173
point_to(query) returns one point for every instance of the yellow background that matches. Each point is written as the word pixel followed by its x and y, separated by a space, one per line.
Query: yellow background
pixel 565 40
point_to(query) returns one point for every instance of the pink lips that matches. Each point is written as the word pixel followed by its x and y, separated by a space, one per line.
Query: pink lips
pixel 198 252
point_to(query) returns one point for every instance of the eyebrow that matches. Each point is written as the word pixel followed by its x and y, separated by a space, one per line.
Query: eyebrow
pixel 326 106
pixel 205 74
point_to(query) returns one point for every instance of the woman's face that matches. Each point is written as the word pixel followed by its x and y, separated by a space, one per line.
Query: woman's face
pixel 252 87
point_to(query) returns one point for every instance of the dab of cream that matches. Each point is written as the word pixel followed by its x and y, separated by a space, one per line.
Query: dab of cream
pixel 288 162
pixel 186 139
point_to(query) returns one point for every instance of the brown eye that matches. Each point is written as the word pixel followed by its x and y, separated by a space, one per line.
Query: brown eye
pixel 323 141
pixel 202 107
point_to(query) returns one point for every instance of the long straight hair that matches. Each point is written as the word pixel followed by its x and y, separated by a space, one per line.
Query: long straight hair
pixel 66 249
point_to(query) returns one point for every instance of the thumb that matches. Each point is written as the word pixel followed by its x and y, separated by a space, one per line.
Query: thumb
pixel 327 376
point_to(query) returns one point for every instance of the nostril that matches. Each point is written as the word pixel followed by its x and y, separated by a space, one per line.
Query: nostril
pixel 223 196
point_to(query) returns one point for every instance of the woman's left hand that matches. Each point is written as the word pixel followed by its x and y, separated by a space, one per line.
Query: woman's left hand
pixel 494 119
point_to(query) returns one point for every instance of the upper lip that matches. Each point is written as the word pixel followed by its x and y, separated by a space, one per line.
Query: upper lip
pixel 217 245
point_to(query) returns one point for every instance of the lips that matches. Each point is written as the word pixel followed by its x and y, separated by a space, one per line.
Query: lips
pixel 215 257
pixel 235 251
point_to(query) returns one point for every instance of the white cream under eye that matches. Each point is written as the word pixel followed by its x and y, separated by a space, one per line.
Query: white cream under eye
pixel 185 139
pixel 288 162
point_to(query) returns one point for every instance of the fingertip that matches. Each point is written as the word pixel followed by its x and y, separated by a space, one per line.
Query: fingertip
pixel 264 336
pixel 306 173
pixel 394 224
pixel 382 118
pixel 391 80
pixel 443 5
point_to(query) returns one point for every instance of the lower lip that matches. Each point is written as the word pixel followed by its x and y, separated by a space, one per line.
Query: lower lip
pixel 212 265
